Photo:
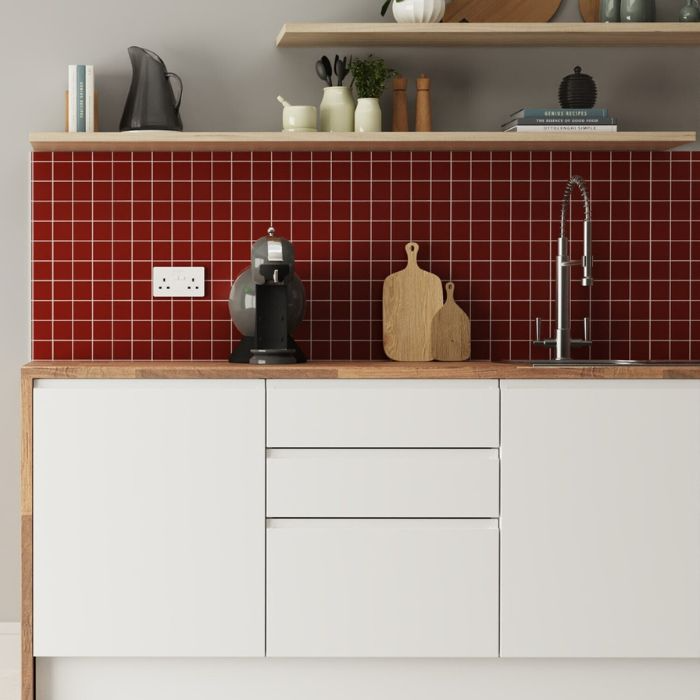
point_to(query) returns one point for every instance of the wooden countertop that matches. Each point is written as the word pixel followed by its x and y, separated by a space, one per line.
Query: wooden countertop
pixel 349 370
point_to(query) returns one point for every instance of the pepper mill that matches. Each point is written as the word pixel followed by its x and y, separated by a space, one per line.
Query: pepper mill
pixel 400 115
pixel 424 120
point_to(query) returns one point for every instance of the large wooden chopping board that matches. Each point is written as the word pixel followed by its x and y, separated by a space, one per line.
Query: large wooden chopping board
pixel 590 10
pixel 451 335
pixel 501 10
pixel 411 298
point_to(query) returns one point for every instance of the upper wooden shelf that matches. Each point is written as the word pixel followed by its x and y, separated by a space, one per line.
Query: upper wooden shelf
pixel 491 34
pixel 385 141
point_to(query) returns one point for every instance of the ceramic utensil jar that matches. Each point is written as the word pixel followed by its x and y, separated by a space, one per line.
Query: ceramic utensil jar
pixel 638 11
pixel 337 109
pixel 368 115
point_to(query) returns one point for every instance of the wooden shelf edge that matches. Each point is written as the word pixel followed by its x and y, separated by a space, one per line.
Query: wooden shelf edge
pixel 385 141
pixel 300 34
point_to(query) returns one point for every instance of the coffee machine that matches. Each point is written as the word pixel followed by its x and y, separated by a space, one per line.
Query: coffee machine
pixel 267 303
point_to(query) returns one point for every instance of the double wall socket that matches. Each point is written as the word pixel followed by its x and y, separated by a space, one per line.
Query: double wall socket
pixel 178 281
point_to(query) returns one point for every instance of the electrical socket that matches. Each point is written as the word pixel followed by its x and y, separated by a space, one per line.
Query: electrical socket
pixel 178 281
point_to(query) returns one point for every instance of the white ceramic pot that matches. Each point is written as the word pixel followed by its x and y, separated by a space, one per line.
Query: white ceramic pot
pixel 337 109
pixel 418 10
pixel 368 115
pixel 299 118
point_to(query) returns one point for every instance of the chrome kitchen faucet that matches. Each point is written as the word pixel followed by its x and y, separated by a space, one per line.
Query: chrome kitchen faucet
pixel 563 341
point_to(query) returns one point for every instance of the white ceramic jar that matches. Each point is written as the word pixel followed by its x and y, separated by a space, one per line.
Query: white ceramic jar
pixel 368 115
pixel 418 10
pixel 299 118
pixel 337 109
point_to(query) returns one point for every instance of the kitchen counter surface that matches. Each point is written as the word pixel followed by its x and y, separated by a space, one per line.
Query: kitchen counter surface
pixel 349 370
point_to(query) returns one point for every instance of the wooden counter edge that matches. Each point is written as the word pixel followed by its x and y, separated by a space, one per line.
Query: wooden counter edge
pixel 349 370
pixel 27 540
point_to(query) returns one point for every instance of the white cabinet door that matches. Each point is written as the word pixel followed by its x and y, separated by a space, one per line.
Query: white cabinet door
pixel 149 524
pixel 382 588
pixel 600 548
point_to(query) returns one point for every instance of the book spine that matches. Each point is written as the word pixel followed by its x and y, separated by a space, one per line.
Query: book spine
pixel 563 127
pixel 544 121
pixel 72 98
pixel 558 113
pixel 80 126
pixel 89 98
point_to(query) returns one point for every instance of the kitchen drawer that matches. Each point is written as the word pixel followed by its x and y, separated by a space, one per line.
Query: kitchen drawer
pixel 382 413
pixel 389 483
pixel 382 588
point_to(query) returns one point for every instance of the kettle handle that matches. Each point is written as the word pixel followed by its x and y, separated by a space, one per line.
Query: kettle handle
pixel 170 76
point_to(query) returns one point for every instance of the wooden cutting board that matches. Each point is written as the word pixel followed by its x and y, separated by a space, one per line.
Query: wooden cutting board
pixel 411 298
pixel 501 10
pixel 451 334
pixel 590 10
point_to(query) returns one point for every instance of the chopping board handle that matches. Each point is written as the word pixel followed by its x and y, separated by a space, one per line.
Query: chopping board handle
pixel 450 287
pixel 412 253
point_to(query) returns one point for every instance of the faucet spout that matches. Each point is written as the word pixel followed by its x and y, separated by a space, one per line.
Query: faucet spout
pixel 577 182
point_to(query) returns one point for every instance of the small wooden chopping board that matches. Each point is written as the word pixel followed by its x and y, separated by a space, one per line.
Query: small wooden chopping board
pixel 451 333
pixel 590 10
pixel 411 298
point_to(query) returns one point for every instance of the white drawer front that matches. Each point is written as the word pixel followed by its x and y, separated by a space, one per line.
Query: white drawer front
pixel 382 588
pixel 382 413
pixel 364 483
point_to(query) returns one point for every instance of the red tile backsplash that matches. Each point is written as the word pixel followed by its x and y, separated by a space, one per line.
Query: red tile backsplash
pixel 487 221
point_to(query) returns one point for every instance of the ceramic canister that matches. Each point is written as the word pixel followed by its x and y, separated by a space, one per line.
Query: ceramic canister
pixel 337 109
pixel 368 115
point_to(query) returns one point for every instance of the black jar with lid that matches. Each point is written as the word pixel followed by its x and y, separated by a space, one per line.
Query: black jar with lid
pixel 577 91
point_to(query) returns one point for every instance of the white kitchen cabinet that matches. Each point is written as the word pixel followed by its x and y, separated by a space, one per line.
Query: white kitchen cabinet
pixel 382 413
pixel 382 588
pixel 600 518
pixel 149 523
pixel 385 483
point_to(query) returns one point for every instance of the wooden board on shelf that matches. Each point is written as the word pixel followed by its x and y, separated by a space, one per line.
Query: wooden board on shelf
pixel 490 34
pixel 501 11
pixel 590 10
pixel 385 141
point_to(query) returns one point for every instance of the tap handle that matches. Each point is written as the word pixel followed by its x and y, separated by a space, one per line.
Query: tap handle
pixel 538 329
pixel 586 329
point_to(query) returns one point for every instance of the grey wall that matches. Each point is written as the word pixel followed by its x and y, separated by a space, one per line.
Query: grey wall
pixel 224 51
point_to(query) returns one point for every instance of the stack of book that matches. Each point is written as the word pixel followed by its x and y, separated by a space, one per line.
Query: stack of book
pixel 81 98
pixel 556 119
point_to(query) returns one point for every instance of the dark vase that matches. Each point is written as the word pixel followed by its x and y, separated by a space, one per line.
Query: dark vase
pixel 577 91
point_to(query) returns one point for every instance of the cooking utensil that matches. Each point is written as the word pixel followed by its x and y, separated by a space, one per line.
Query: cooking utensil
pixel 451 331
pixel 342 68
pixel 411 298
pixel 589 10
pixel 501 11
pixel 323 70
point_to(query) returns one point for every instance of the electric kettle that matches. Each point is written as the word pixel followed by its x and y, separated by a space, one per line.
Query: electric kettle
pixel 151 102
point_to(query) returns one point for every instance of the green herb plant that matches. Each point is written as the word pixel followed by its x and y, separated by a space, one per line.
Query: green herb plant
pixel 385 6
pixel 370 75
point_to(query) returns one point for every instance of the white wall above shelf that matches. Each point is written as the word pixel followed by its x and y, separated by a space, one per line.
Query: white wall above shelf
pixel 385 141
pixel 490 34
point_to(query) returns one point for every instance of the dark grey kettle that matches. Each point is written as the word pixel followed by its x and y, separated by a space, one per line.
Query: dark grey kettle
pixel 151 102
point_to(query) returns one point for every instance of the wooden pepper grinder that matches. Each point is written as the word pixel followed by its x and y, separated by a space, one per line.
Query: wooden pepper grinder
pixel 424 119
pixel 400 116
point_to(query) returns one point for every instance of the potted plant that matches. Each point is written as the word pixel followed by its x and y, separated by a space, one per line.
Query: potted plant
pixel 416 10
pixel 370 75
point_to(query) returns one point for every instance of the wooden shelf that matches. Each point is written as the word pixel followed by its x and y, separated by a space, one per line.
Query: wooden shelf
pixel 385 141
pixel 491 34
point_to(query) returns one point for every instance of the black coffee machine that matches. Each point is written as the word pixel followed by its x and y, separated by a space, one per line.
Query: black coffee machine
pixel 267 303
